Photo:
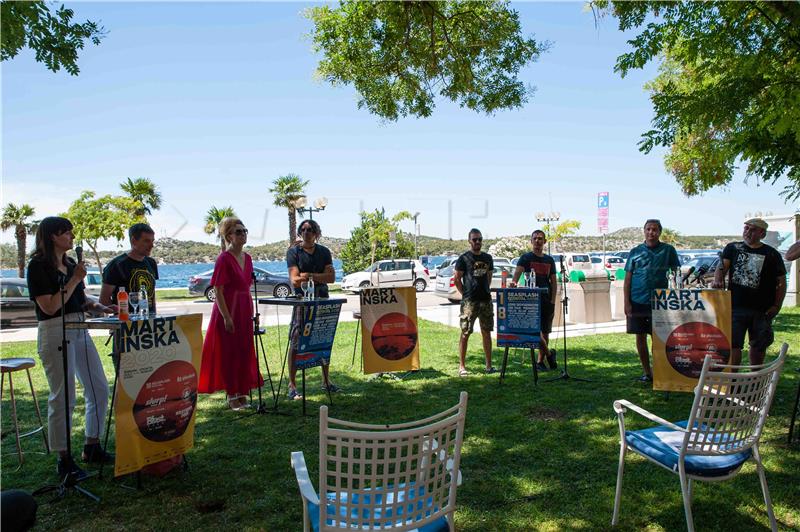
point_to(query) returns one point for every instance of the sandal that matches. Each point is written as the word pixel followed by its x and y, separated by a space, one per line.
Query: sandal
pixel 463 372
pixel 234 403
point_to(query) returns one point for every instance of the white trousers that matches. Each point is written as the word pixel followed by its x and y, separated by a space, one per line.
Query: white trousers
pixel 83 361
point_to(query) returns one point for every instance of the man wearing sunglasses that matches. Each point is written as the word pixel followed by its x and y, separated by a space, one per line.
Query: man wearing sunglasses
pixel 133 270
pixel 473 278
pixel 308 260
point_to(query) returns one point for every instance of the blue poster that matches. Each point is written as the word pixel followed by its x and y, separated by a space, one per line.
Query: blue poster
pixel 519 317
pixel 316 330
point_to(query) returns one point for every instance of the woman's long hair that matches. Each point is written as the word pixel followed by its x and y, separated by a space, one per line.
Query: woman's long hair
pixel 48 228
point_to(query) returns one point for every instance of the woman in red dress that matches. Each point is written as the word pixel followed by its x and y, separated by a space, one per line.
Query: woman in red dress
pixel 229 359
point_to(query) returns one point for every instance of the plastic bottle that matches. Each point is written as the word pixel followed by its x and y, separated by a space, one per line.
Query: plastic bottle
pixel 503 278
pixel 122 303
pixel 311 293
pixel 144 307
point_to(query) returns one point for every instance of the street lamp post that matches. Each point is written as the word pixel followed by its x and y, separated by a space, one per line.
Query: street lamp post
pixel 416 232
pixel 319 205
pixel 548 217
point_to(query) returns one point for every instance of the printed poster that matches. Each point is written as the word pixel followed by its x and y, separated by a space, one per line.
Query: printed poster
pixel 390 337
pixel 519 317
pixel 317 329
pixel 156 390
pixel 687 326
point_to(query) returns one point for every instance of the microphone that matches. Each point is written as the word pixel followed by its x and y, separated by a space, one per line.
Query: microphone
pixel 79 253
pixel 686 277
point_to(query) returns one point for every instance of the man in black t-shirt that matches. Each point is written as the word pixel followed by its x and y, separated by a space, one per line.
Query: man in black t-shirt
pixel 473 279
pixel 306 261
pixel 134 269
pixel 757 281
pixel 543 269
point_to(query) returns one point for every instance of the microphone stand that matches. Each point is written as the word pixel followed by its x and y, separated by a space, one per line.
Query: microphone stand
pixel 564 302
pixel 70 480
pixel 258 343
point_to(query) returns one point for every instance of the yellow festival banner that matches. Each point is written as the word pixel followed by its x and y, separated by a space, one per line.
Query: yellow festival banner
pixel 687 326
pixel 390 338
pixel 156 390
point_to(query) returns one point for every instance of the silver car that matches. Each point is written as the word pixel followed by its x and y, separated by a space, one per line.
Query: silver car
pixel 268 284
pixel 446 286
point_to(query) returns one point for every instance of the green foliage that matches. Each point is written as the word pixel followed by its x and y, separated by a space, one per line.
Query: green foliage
pixel 213 218
pixel 555 234
pixel 400 55
pixel 96 219
pixel 728 88
pixel 286 190
pixel 370 241
pixel 18 217
pixel 51 34
pixel 145 192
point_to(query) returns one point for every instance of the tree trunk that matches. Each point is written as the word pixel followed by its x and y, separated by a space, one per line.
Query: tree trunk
pixel 292 226
pixel 21 235
pixel 96 255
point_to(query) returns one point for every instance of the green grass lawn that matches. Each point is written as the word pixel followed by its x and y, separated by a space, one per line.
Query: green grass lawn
pixel 541 458
pixel 175 294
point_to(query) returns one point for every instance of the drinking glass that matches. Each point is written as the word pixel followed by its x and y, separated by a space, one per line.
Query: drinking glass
pixel 133 303
pixel 304 288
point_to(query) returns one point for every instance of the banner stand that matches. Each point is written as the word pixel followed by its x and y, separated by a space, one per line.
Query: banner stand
pixel 533 365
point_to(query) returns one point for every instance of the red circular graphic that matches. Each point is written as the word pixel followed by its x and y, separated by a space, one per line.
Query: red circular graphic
pixel 688 345
pixel 394 336
pixel 166 402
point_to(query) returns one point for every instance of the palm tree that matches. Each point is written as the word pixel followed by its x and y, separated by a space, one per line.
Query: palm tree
pixel 287 189
pixel 213 217
pixel 145 192
pixel 18 218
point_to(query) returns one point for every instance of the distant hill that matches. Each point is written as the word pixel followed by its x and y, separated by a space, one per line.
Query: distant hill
pixel 173 251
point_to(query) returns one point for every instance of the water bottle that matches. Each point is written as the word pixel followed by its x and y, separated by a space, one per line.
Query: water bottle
pixel 144 306
pixel 310 294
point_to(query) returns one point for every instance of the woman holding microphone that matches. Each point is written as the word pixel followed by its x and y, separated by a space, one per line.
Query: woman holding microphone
pixel 50 270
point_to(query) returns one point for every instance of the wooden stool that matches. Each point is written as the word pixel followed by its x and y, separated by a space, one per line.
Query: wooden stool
pixel 10 365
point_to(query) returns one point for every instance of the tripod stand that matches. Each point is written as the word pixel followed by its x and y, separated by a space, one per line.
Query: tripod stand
pixel 564 302
pixel 71 477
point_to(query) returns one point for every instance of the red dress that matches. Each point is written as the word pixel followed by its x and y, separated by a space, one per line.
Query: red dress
pixel 229 359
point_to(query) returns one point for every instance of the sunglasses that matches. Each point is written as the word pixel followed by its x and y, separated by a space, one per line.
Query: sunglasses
pixel 240 232
pixel 477 239
pixel 306 230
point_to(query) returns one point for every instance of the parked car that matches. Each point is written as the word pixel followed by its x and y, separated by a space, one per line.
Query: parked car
pixel 446 286
pixel 703 276
pixel 614 262
pixel 699 262
pixel 93 282
pixel 268 284
pixel 502 261
pixel 16 308
pixel 444 263
pixel 389 273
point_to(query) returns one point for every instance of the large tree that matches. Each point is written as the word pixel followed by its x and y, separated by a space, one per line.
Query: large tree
pixel 144 192
pixel 19 217
pixel 103 218
pixel 399 56
pixel 370 240
pixel 286 190
pixel 214 216
pixel 49 32
pixel 728 88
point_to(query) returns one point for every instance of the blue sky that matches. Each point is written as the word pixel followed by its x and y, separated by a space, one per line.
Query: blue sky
pixel 212 101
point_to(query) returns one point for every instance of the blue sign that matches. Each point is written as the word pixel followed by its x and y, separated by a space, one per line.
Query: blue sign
pixel 316 329
pixel 602 200
pixel 519 317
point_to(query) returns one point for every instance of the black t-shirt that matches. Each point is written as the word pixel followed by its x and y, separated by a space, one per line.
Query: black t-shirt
pixel 133 275
pixel 477 275
pixel 753 275
pixel 543 267
pixel 310 263
pixel 43 279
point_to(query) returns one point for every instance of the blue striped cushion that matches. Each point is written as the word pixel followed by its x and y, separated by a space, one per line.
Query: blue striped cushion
pixel 414 500
pixel 662 445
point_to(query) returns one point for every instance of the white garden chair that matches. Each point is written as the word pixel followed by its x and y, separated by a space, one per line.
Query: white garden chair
pixel 721 434
pixel 385 477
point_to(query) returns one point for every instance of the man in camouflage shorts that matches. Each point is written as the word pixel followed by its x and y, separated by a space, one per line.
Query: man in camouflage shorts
pixel 473 279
